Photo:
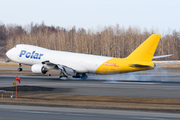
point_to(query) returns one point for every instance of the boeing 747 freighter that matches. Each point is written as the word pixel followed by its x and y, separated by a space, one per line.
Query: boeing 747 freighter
pixel 78 65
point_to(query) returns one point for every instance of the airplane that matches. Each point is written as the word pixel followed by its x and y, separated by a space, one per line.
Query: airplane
pixel 78 65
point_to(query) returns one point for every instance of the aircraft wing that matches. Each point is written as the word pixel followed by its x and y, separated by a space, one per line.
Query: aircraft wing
pixel 70 68
pixel 162 56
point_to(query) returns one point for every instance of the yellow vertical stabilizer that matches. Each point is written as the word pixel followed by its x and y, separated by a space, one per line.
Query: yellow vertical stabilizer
pixel 146 50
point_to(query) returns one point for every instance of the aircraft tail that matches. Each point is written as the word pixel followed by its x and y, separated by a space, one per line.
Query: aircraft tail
pixel 146 50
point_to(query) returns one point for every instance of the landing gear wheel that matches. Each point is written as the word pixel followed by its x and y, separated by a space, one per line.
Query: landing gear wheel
pixel 20 69
pixel 84 76
pixel 62 77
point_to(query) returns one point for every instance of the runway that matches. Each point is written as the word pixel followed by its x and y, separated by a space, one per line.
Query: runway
pixel 149 84
pixel 14 112
pixel 126 88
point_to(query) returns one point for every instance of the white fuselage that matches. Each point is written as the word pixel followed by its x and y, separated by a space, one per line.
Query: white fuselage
pixel 30 55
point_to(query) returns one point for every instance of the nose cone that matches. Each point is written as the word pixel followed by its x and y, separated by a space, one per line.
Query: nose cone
pixel 9 53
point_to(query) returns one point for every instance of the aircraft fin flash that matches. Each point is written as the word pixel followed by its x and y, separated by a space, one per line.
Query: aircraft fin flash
pixel 78 65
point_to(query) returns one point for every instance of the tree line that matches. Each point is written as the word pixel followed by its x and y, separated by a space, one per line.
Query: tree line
pixel 113 41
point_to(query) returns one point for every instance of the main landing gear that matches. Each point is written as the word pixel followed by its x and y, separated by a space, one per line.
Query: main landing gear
pixel 70 73
pixel 78 75
pixel 62 74
pixel 20 69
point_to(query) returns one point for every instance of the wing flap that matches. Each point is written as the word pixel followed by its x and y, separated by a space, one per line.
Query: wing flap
pixel 70 65
pixel 68 70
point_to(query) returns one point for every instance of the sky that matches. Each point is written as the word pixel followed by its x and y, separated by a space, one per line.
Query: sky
pixel 160 15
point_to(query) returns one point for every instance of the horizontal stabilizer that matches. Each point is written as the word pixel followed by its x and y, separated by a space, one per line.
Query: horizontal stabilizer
pixel 162 56
pixel 139 65
pixel 164 63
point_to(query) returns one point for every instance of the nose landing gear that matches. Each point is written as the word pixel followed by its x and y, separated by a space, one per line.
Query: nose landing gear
pixel 20 69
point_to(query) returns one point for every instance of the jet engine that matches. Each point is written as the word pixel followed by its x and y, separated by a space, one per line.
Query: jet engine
pixel 39 68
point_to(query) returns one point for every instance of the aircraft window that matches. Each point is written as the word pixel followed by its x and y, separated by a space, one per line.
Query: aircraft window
pixel 15 47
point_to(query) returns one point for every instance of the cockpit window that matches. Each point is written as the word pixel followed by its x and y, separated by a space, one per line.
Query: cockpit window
pixel 15 47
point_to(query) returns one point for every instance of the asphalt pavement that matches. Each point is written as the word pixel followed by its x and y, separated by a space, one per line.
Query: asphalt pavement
pixel 152 84
pixel 14 112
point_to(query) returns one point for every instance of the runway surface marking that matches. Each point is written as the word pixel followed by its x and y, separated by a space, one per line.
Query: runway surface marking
pixel 41 112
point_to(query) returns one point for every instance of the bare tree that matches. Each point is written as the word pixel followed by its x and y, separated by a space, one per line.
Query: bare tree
pixel 111 41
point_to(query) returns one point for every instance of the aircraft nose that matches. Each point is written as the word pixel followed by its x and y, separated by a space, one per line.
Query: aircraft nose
pixel 8 53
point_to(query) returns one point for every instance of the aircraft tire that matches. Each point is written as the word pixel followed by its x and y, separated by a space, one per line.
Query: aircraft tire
pixel 84 76
pixel 20 69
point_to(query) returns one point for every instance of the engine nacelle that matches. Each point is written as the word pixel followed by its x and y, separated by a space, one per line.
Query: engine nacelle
pixel 38 68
